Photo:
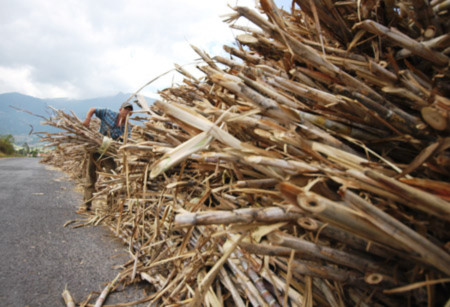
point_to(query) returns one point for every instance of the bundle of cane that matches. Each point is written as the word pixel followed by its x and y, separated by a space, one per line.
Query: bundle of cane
pixel 309 168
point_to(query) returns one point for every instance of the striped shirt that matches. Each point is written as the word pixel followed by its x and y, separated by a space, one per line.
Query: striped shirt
pixel 109 125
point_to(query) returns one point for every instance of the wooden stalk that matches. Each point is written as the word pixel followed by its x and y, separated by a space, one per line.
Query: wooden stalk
pixel 101 299
pixel 417 199
pixel 244 215
pixel 326 253
pixel 326 272
pixel 68 298
pixel 430 253
pixel 404 41
pixel 209 278
pixel 339 215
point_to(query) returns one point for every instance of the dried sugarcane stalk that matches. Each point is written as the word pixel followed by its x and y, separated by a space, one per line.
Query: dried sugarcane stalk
pixel 208 279
pixel 101 299
pixel 244 215
pixel 68 298
pixel 429 252
pixel 342 217
pixel 329 295
pixel 326 253
pixel 174 156
pixel 230 286
pixel 422 200
pixel 257 280
pixel 243 55
pixel 305 53
pixel 358 243
pixel 325 272
pixel 249 288
pixel 439 42
pixel 435 118
pixel 404 41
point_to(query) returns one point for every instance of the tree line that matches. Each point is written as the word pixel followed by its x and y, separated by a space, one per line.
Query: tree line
pixel 7 148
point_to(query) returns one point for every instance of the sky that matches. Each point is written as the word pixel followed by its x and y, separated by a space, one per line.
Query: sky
pixel 82 49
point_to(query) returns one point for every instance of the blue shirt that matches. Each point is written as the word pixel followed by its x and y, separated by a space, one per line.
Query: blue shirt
pixel 109 125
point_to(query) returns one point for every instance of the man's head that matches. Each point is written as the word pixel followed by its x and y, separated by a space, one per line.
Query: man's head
pixel 127 105
pixel 125 108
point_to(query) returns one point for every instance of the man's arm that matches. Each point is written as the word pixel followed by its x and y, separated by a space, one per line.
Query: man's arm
pixel 89 114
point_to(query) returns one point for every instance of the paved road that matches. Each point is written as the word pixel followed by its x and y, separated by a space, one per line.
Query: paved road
pixel 38 256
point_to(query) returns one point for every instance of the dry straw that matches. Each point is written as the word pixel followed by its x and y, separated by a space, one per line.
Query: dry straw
pixel 311 167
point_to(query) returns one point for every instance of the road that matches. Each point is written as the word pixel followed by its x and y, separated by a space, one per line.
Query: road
pixel 38 256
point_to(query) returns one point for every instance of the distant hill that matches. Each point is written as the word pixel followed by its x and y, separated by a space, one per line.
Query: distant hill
pixel 19 124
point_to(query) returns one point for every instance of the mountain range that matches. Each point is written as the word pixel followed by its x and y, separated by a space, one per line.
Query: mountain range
pixel 20 124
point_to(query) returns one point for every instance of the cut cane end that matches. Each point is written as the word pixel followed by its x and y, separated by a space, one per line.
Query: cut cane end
pixel 434 118
pixel 310 204
pixel 373 278
pixel 307 223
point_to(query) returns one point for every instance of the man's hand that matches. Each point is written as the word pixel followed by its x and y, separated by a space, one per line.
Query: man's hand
pixel 86 122
pixel 89 114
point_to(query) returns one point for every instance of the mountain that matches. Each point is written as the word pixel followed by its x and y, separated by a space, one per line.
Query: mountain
pixel 19 124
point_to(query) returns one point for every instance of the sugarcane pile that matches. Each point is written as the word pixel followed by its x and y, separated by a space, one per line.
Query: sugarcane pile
pixel 310 167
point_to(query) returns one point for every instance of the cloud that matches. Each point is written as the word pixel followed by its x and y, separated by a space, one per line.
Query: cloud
pixel 19 79
pixel 81 48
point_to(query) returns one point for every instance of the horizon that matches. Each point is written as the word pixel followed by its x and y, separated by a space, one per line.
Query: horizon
pixel 68 98
pixel 16 121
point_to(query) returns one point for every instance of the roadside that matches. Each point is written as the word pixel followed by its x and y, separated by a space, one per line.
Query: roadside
pixel 39 255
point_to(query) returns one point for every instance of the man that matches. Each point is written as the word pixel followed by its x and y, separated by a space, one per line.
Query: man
pixel 112 125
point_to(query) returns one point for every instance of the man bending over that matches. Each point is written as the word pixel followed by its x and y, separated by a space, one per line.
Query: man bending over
pixel 112 125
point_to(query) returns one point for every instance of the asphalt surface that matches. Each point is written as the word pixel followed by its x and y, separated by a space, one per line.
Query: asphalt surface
pixel 38 255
